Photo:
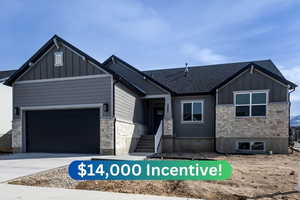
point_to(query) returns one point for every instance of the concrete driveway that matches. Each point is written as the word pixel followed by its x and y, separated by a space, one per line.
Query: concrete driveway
pixel 17 165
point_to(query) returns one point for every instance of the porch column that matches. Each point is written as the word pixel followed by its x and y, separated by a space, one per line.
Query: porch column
pixel 168 117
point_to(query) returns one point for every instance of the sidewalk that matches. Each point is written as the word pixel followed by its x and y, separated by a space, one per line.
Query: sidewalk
pixel 18 192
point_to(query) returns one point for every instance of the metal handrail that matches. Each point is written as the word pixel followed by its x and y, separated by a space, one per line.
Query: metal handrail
pixel 158 136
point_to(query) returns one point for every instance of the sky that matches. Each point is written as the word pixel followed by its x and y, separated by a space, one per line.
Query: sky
pixel 158 34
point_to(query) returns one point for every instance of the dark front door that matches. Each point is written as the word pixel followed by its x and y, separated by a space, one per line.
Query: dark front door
pixel 157 118
pixel 63 131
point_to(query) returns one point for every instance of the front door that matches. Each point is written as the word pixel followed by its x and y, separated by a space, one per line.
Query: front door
pixel 158 116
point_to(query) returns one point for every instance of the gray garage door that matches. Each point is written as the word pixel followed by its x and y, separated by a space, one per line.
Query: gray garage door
pixel 63 131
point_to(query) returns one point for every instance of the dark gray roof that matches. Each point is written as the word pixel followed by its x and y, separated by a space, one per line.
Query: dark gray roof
pixel 199 79
pixel 6 74
pixel 204 79
pixel 134 76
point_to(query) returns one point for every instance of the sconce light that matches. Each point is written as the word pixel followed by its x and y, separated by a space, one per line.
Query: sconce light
pixel 105 107
pixel 17 111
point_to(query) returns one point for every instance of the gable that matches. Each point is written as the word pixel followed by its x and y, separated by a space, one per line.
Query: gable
pixel 253 81
pixel 135 77
pixel 73 65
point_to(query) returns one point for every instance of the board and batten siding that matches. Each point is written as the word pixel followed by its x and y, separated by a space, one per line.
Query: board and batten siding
pixel 64 92
pixel 128 106
pixel 255 81
pixel 73 65
pixel 204 129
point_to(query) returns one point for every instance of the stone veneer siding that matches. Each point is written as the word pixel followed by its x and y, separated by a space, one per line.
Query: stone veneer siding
pixel 273 129
pixel 16 138
pixel 168 127
pixel 127 136
pixel 107 127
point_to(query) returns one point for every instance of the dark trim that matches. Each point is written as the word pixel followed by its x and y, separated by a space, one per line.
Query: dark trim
pixel 194 94
pixel 25 66
pixel 114 58
pixel 247 67
pixel 283 80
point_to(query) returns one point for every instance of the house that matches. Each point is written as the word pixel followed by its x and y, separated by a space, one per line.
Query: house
pixel 66 101
pixel 6 111
pixel 295 128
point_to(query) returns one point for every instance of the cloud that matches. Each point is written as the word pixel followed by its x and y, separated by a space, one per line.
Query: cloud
pixel 293 74
pixel 203 55
pixel 126 19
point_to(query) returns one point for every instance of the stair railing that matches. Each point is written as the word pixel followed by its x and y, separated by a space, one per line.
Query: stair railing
pixel 158 136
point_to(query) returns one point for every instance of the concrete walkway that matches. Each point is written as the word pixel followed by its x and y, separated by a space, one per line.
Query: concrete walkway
pixel 17 192
pixel 17 165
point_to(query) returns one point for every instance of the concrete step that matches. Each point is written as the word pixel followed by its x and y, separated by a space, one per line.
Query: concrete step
pixel 145 144
pixel 144 150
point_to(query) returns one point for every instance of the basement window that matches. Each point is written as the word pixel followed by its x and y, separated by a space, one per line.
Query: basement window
pixel 251 146
pixel 58 59
pixel 250 104
pixel 192 111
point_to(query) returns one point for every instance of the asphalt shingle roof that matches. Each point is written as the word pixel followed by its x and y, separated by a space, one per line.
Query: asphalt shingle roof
pixel 6 74
pixel 203 79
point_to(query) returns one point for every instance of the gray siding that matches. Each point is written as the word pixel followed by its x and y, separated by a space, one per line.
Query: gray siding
pixel 205 129
pixel 74 65
pixel 68 92
pixel 128 106
pixel 255 81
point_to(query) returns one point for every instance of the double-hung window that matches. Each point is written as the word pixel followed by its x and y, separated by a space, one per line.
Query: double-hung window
pixel 248 104
pixel 192 111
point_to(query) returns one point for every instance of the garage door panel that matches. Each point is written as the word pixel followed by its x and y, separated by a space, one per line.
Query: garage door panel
pixel 63 131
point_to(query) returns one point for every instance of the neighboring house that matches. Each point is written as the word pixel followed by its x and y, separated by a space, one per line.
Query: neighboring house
pixel 6 111
pixel 295 128
pixel 66 101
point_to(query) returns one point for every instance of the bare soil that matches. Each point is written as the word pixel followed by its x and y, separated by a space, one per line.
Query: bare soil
pixel 254 177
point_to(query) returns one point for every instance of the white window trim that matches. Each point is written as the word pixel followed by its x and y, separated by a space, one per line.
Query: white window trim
pixel 60 53
pixel 250 92
pixel 192 102
pixel 251 143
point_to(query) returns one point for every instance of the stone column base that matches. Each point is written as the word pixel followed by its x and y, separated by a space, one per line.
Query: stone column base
pixel 107 139
pixel 17 136
pixel 168 127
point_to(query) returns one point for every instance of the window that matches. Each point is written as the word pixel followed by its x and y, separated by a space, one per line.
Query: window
pixel 192 111
pixel 249 104
pixel 251 146
pixel 58 59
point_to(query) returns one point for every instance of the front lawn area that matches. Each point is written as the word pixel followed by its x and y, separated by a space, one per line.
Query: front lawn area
pixel 254 176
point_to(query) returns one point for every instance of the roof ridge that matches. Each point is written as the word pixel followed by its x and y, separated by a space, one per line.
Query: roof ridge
pixel 211 65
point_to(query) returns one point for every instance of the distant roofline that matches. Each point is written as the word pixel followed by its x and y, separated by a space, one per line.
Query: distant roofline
pixel 210 65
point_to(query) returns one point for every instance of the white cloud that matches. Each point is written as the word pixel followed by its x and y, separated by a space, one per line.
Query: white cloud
pixel 128 19
pixel 293 74
pixel 203 55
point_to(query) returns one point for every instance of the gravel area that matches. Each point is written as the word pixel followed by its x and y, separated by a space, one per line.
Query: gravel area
pixel 254 176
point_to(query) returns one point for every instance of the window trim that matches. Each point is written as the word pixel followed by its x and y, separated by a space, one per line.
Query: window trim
pixel 250 92
pixel 251 143
pixel 192 102
pixel 61 53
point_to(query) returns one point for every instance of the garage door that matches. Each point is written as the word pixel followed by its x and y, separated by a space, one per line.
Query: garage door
pixel 63 131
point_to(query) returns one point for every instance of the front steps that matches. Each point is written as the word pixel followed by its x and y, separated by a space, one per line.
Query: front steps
pixel 145 144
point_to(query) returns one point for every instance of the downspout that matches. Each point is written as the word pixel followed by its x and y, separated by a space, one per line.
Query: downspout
pixel 289 96
pixel 113 107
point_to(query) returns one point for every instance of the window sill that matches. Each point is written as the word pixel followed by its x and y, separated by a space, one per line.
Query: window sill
pixel 250 117
pixel 192 122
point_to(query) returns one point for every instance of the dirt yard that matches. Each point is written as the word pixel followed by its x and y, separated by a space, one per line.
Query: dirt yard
pixel 254 177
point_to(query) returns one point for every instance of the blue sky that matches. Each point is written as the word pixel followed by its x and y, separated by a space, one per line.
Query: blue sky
pixel 158 34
